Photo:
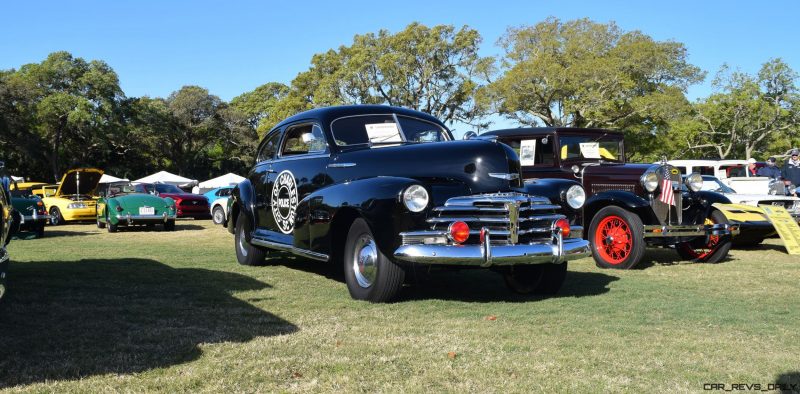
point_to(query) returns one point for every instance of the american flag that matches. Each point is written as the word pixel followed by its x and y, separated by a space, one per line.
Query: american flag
pixel 667 195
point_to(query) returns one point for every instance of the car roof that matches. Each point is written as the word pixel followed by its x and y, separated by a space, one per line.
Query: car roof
pixel 526 131
pixel 328 114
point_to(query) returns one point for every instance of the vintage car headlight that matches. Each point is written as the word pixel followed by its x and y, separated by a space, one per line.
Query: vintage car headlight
pixel 416 198
pixel 576 196
pixel 694 182
pixel 650 181
pixel 76 205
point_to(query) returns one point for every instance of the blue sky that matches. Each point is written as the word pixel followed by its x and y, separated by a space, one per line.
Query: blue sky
pixel 232 47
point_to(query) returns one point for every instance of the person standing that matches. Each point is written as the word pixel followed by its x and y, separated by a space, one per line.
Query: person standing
pixel 770 170
pixel 791 170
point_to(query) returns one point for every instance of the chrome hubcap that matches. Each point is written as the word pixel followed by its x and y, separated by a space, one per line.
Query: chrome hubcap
pixel 242 247
pixel 218 216
pixel 365 261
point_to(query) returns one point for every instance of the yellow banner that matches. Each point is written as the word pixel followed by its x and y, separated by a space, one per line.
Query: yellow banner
pixel 785 225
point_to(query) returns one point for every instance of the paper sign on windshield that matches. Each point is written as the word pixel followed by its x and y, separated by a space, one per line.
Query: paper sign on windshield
pixel 527 151
pixel 383 132
pixel 590 150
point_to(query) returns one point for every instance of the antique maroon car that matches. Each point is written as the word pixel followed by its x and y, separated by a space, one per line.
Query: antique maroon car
pixel 189 205
pixel 628 206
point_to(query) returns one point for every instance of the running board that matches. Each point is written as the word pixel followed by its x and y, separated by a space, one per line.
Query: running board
pixel 291 249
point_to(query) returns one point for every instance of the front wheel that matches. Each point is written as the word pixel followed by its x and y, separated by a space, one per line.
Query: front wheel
pixel 710 249
pixel 218 216
pixel 246 254
pixel 370 275
pixel 55 217
pixel 617 238
pixel 540 279
pixel 100 224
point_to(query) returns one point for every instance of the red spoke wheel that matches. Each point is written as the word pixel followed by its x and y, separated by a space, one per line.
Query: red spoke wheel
pixel 617 238
pixel 711 249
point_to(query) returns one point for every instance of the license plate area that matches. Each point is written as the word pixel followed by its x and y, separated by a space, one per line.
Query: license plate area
pixel 147 211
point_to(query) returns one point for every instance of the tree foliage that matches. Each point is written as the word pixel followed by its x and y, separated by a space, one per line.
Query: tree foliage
pixel 586 74
pixel 746 114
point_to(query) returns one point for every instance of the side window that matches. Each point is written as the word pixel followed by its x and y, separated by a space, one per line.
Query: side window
pixel 305 139
pixel 537 152
pixel 417 130
pixel 269 147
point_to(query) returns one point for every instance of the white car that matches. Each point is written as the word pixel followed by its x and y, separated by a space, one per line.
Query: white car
pixel 732 173
pixel 753 231
pixel 219 210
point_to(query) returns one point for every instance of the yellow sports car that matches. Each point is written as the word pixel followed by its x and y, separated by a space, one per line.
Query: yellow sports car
pixel 73 199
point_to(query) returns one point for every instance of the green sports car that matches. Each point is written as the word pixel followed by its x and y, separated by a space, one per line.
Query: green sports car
pixel 31 214
pixel 121 205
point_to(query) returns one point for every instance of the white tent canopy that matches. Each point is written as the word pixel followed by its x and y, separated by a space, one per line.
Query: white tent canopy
pixel 110 178
pixel 229 179
pixel 166 177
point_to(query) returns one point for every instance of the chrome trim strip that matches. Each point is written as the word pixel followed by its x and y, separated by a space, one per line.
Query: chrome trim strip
pixel 289 248
pixel 341 165
pixel 504 175
pixel 467 219
pixel 696 230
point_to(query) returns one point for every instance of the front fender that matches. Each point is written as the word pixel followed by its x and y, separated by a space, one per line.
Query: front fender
pixel 376 200
pixel 554 189
pixel 622 199
pixel 242 199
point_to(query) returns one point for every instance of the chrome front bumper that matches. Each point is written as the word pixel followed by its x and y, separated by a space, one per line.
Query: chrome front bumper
pixel 692 230
pixel 555 251
pixel 164 217
pixel 34 218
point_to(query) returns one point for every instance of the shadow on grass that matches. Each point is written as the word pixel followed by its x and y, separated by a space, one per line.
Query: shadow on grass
pixel 467 285
pixel 49 232
pixel 158 227
pixel 788 382
pixel 666 256
pixel 70 320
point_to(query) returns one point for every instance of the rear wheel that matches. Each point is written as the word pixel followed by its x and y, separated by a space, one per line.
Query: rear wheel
pixel 55 216
pixel 246 254
pixel 169 225
pixel 617 238
pixel 369 275
pixel 710 249
pixel 540 279
pixel 218 215
pixel 39 230
pixel 112 228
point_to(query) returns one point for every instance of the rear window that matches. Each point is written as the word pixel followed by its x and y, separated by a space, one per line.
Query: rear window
pixel 377 129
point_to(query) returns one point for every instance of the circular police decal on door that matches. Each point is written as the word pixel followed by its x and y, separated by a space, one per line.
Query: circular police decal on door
pixel 284 201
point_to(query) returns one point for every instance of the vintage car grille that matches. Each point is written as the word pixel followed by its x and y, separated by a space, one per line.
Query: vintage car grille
pixel 665 213
pixel 604 187
pixel 512 218
pixel 193 203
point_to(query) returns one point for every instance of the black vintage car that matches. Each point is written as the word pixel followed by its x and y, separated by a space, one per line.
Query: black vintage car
pixel 6 220
pixel 382 190
pixel 629 205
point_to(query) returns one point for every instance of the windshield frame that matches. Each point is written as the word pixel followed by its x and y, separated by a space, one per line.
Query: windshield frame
pixel 608 136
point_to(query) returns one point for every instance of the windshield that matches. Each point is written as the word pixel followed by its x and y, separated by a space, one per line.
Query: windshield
pixel 157 188
pixel 584 147
pixel 383 129
pixel 121 188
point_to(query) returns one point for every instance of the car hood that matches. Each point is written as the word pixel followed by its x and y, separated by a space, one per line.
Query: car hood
pixel 467 162
pixel 79 181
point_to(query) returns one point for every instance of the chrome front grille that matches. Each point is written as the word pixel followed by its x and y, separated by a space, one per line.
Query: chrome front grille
pixel 512 218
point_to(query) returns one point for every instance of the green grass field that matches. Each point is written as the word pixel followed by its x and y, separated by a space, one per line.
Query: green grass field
pixel 173 312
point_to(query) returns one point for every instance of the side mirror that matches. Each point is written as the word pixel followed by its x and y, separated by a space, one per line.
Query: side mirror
pixel 470 135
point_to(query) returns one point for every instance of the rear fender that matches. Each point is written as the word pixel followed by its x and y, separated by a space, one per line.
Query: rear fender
pixel 243 199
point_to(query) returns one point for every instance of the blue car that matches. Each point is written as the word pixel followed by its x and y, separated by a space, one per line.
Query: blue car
pixel 219 192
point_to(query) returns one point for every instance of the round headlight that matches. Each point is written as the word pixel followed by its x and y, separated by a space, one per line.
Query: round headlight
pixel 694 182
pixel 576 196
pixel 650 181
pixel 416 198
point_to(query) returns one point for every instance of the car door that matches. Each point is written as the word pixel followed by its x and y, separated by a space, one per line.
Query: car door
pixel 259 177
pixel 298 170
